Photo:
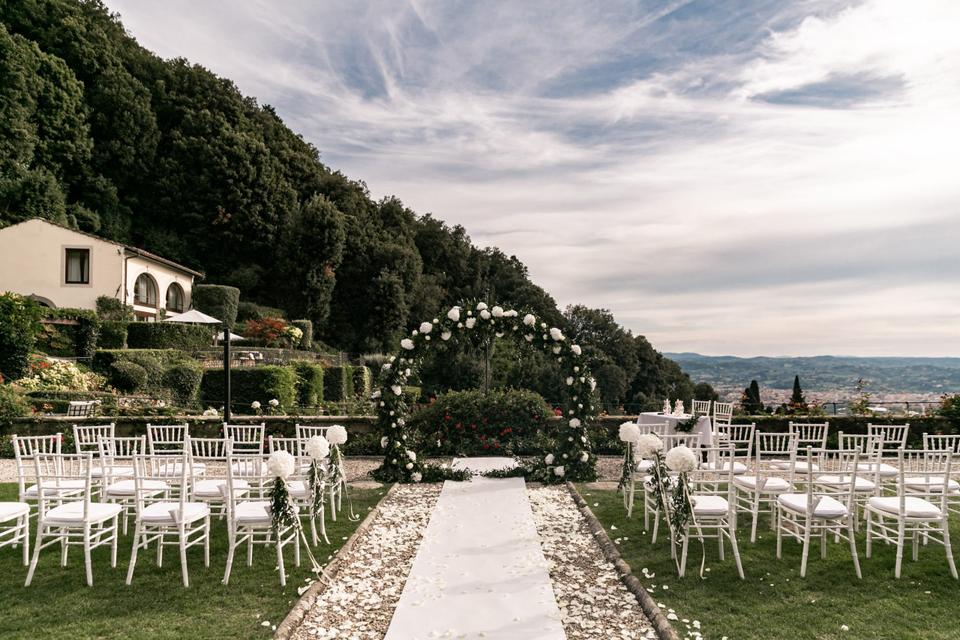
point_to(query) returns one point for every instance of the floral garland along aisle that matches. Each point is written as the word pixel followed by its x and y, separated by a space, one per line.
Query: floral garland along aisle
pixel 479 325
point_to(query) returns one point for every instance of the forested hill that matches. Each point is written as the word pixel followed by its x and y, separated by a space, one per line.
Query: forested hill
pixel 101 134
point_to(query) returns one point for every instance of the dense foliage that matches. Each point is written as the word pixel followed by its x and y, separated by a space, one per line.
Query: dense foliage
pixel 68 332
pixel 19 319
pixel 169 335
pixel 217 301
pixel 309 384
pixel 250 384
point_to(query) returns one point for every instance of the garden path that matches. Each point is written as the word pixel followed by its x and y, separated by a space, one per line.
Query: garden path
pixel 480 571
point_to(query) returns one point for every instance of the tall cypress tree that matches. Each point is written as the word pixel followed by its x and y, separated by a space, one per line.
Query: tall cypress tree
pixel 797 401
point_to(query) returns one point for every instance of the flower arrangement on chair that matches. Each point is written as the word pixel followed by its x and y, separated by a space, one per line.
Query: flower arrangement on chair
pixel 318 448
pixel 283 513
pixel 336 472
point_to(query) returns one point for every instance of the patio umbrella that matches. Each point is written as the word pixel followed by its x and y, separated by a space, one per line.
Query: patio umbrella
pixel 193 317
pixel 233 337
pixel 198 317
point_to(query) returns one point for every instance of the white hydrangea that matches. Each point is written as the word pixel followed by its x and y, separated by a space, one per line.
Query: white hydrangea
pixel 471 322
pixel 412 455
pixel 558 471
pixel 274 402
pixel 318 447
pixel 648 444
pixel 497 312
pixel 255 405
pixel 575 423
pixel 336 434
pixel 584 456
pixel 576 349
pixel 454 314
pixel 569 381
pixel 549 458
pixel 426 327
pixel 445 336
pixel 629 432
pixel 407 344
pixel 397 389
pixel 556 334
pixel 408 466
pixel 481 306
pixel 281 464
pixel 529 320
pixel 681 459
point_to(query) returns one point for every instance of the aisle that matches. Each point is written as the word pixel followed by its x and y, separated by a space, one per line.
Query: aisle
pixel 480 571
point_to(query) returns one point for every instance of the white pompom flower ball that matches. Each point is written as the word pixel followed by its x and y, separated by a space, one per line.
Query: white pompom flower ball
pixel 629 432
pixel 576 349
pixel 559 471
pixel 407 344
pixel 497 312
pixel 337 434
pixel 454 314
pixel 255 404
pixel 549 458
pixel 281 464
pixel 318 447
pixel 648 445
pixel 426 327
pixel 529 320
pixel 681 459
pixel 575 422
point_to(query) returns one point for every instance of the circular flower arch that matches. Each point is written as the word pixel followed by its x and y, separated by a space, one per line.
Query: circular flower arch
pixel 480 324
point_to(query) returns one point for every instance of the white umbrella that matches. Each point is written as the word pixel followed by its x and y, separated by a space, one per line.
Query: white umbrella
pixel 233 337
pixel 193 317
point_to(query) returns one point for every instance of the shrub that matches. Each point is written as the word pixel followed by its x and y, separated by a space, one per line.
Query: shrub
pixel 49 401
pixel 153 361
pixel 273 332
pixel 362 382
pixel 113 334
pixel 112 310
pixel 12 403
pixel 218 301
pixel 19 324
pixel 306 327
pixel 60 375
pixel 249 384
pixel 128 376
pixel 477 422
pixel 338 383
pixel 183 381
pixel 78 339
pixel 169 335
pixel 253 311
pixel 309 384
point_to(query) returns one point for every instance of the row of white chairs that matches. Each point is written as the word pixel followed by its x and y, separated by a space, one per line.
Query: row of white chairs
pixel 811 491
pixel 719 412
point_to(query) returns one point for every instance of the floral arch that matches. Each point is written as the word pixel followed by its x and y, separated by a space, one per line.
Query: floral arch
pixel 479 325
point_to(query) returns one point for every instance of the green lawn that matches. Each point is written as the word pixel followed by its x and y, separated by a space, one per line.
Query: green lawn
pixel 60 605
pixel 774 602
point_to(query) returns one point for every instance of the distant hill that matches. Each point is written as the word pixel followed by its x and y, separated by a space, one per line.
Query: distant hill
pixel 825 373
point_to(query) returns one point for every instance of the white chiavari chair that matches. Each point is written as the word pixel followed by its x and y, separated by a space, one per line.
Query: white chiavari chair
pixel 825 508
pixel 168 443
pixel 25 448
pixel 670 440
pixel 250 521
pixel 182 522
pixel 714 510
pixel 950 444
pixel 122 489
pixel 86 439
pixel 741 437
pixel 871 463
pixel 208 468
pixel 77 522
pixel 919 510
pixel 722 413
pixel 757 492
pixel 892 437
pixel 15 527
pixel 838 473
pixel 702 407
pixel 299 486
pixel 246 438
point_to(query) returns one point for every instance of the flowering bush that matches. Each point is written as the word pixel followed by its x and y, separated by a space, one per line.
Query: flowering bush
pixel 59 375
pixel 273 332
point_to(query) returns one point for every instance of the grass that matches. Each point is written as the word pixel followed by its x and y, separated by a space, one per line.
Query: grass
pixel 774 601
pixel 59 604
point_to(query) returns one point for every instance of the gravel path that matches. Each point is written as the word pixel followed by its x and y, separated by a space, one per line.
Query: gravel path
pixel 594 603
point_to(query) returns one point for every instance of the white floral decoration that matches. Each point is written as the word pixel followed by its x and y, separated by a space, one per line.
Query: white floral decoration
pixel 574 423
pixel 576 349
pixel 318 447
pixel 454 314
pixel 558 471
pixel 397 389
pixel 648 444
pixel 497 312
pixel 569 381
pixel 281 464
pixel 681 459
pixel 584 457
pixel 274 402
pixel 426 327
pixel 408 466
pixel 529 320
pixel 416 476
pixel 255 404
pixel 412 456
pixel 556 334
pixel 481 306
pixel 383 442
pixel 471 322
pixel 445 335
pixel 549 458
pixel 407 344
pixel 629 432
pixel 337 434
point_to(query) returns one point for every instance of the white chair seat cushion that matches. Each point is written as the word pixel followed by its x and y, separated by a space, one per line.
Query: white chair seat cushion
pixel 886 470
pixel 771 484
pixel 798 465
pixel 211 488
pixel 825 506
pixel 52 488
pixel 72 512
pixel 932 484
pixel 128 487
pixel 709 505
pixel 738 467
pixel 11 510
pixel 914 507
pixel 254 512
pixel 860 484
pixel 644 465
pixel 160 512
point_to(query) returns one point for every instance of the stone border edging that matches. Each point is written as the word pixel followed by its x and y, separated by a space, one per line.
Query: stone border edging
pixel 299 610
pixel 661 625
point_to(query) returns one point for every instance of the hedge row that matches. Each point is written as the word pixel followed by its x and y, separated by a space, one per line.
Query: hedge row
pixel 338 383
pixel 218 301
pixel 168 335
pixel 309 384
pixel 249 384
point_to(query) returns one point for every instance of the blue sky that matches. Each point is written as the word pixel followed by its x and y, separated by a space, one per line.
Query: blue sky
pixel 757 177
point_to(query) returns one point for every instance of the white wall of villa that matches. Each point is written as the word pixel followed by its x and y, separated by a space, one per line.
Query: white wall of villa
pixel 61 267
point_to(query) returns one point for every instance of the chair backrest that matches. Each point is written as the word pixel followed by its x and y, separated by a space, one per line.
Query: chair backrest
pixel 838 465
pixel 867 445
pixel 150 469
pixel 702 407
pixel 86 438
pixel 24 450
pixel 307 431
pixel 81 408
pixel 739 435
pixel 246 438
pixel 771 447
pixel 248 467
pixel 115 450
pixel 54 470
pixel 893 436
pixel 690 440
pixel 167 439
pixel 656 428
pixel 924 473
pixel 716 476
pixel 722 413
pixel 942 443
pixel 813 434
pixel 212 449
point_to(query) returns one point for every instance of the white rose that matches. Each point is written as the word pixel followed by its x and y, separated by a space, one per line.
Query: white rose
pixel 318 448
pixel 556 334
pixel 549 458
pixel 386 366
pixel 629 432
pixel 681 459
pixel 383 442
pixel 593 384
pixel 412 456
pixel 274 402
pixel 416 476
pixel 255 404
pixel 336 434
pixel 584 456
pixel 397 390
pixel 426 327
pixel 485 314
pixel 445 335
pixel 558 471
pixel 576 349
pixel 575 422
pixel 528 338
pixel 407 344
pixel 408 466
pixel 648 444
pixel 556 350
pixel 529 320
pixel 454 314
pixel 497 312
pixel 471 322
pixel 481 306
pixel 281 464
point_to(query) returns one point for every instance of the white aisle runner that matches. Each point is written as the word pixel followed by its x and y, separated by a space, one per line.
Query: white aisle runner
pixel 480 571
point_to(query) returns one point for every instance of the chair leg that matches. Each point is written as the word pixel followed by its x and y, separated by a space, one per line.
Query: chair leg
pixel 736 550
pixel 756 516
pixel 183 556
pixel 250 551
pixel 206 542
pixel 333 505
pixel 323 524
pixel 656 526
pixel 779 533
pixel 88 565
pixel 283 571
pixel 823 543
pixel 945 527
pixel 160 548
pixel 296 548
pixel 806 550
pixel 851 528
pixel 36 555
pixel 683 551
pixel 720 542
pixel 133 553
pixel 900 541
pixel 869 533
pixel 25 534
pixel 64 548
pixel 915 551
pixel 232 547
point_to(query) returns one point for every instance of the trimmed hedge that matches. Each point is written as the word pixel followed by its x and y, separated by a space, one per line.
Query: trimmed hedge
pixel 309 384
pixel 253 311
pixel 249 384
pixel 218 301
pixel 112 310
pixel 306 342
pixel 169 335
pixel 153 361
pixel 183 381
pixel 19 318
pixel 338 383
pixel 128 376
pixel 113 334
pixel 362 382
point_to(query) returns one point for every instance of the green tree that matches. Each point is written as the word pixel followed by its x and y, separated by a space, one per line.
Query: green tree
pixel 19 324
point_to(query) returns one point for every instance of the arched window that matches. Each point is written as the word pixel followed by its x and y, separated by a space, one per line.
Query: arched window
pixel 145 290
pixel 175 298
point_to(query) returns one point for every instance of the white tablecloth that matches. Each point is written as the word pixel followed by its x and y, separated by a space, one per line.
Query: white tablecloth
pixel 704 424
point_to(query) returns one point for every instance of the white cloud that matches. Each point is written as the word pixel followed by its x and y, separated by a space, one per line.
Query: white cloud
pixel 622 150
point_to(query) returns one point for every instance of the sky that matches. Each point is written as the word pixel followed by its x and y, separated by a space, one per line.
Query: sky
pixel 749 177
